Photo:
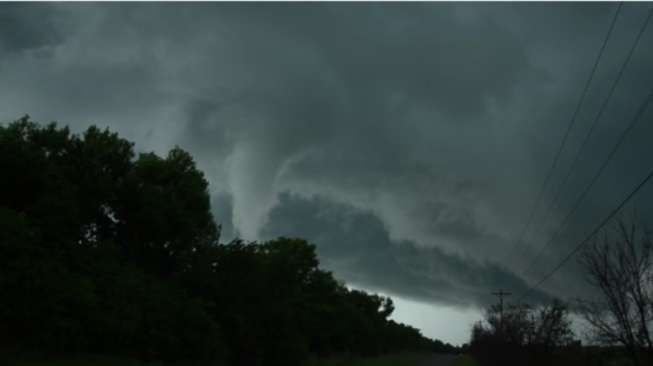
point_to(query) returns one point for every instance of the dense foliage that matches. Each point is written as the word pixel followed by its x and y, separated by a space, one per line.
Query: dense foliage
pixel 103 251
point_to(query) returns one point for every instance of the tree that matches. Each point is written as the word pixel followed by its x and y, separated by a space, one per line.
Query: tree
pixel 105 252
pixel 620 267
pixel 68 276
pixel 521 334
pixel 551 328
pixel 164 215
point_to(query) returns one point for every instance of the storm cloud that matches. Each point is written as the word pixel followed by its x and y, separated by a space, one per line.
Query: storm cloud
pixel 356 246
pixel 407 141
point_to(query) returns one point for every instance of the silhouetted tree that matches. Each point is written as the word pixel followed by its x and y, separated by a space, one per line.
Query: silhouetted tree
pixel 620 266
pixel 71 275
pixel 521 334
pixel 105 252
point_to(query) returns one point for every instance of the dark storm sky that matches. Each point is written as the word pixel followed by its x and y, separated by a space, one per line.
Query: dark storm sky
pixel 407 141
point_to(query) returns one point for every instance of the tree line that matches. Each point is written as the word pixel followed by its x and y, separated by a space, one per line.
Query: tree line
pixel 107 252
pixel 619 266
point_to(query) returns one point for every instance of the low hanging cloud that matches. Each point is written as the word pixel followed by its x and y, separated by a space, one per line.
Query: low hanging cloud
pixel 357 247
pixel 429 125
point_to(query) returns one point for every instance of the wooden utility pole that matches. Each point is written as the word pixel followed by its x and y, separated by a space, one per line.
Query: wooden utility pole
pixel 501 294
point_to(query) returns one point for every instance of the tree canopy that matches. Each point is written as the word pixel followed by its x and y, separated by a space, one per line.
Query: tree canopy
pixel 106 251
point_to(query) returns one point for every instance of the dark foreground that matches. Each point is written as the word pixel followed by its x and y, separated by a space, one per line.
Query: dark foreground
pixel 441 360
pixel 400 359
pixel 103 251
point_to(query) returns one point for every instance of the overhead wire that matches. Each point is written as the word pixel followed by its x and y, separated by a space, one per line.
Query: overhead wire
pixel 554 202
pixel 589 237
pixel 640 111
pixel 596 176
pixel 570 125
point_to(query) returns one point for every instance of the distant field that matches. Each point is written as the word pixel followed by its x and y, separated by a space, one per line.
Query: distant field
pixel 467 361
pixel 78 361
pixel 91 360
pixel 75 362
pixel 402 359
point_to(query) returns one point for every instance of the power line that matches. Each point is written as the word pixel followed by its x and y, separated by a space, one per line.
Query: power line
pixel 501 294
pixel 569 127
pixel 554 202
pixel 590 236
pixel 642 108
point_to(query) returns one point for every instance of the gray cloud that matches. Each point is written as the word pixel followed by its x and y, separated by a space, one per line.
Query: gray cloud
pixel 356 245
pixel 433 123
pixel 25 27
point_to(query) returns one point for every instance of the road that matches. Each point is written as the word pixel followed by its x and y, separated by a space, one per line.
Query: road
pixel 440 360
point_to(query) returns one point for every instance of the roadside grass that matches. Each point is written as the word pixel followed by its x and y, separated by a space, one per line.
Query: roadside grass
pixel 92 361
pixel 77 361
pixel 399 359
pixel 467 360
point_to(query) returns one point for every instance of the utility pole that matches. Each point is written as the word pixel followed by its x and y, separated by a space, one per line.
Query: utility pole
pixel 501 294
